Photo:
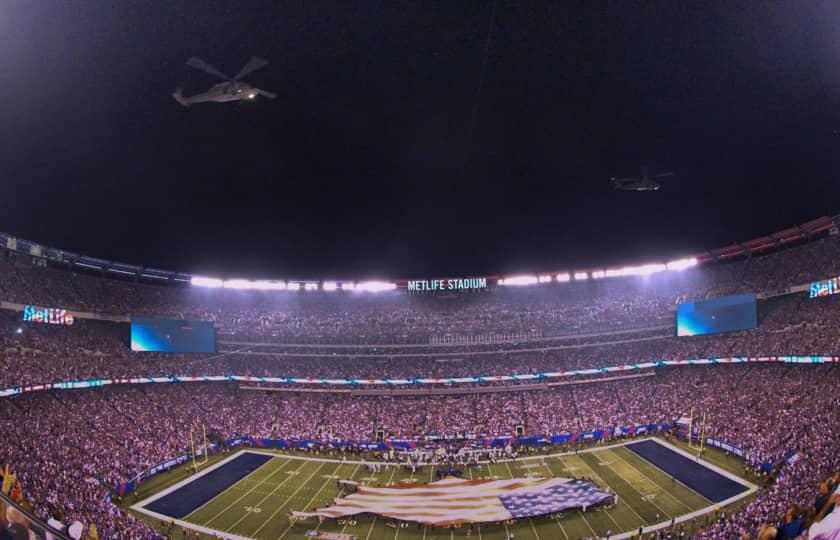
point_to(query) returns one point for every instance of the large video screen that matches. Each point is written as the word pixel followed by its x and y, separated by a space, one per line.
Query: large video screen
pixel 176 336
pixel 727 314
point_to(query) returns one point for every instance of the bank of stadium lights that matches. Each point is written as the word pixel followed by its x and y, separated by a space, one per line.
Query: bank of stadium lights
pixel 238 284
pixel 380 286
pixel 375 286
pixel 681 264
pixel 643 270
pixel 519 281
pixel 206 282
pixel 244 284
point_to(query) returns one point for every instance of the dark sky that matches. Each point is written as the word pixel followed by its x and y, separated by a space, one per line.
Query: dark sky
pixel 369 162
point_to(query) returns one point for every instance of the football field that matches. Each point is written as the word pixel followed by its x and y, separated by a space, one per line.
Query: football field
pixel 258 504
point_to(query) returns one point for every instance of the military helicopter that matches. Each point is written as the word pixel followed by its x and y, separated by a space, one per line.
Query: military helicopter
pixel 232 89
pixel 644 183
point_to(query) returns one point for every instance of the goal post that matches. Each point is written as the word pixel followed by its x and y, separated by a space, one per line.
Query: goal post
pixel 203 445
pixel 701 441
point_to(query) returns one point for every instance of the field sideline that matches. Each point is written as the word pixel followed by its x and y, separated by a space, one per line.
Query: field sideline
pixel 257 506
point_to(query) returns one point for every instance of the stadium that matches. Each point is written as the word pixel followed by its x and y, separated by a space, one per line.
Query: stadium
pixel 365 270
pixel 692 398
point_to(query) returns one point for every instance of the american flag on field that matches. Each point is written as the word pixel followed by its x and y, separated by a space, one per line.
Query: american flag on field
pixel 453 500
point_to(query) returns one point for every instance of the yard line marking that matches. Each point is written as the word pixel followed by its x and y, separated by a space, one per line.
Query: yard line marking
pixel 552 475
pixel 352 474
pixel 288 500
pixel 394 470
pixel 510 472
pixel 531 521
pixel 308 504
pixel 228 507
pixel 478 525
pixel 619 527
pixel 562 530
pixel 658 487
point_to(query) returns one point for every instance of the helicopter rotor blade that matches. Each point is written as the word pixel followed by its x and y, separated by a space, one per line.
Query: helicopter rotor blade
pixel 198 63
pixel 265 93
pixel 253 65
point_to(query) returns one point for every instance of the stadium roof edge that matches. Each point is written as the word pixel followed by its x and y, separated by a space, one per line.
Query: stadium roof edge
pixel 796 233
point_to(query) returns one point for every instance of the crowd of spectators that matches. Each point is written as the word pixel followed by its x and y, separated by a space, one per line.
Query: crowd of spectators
pixel 36 353
pixel 72 447
pixel 397 317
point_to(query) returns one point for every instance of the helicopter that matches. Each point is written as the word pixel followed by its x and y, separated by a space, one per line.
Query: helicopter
pixel 232 89
pixel 644 183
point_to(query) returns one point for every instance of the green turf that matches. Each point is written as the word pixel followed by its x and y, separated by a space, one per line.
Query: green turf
pixel 258 505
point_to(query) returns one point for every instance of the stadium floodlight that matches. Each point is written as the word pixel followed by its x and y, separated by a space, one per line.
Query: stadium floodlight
pixel 581 276
pixel 206 281
pixel 270 285
pixel 245 284
pixel 545 279
pixel 329 285
pixel 293 286
pixel 348 286
pixel 518 281
pixel 310 286
pixel 681 264
pixel 375 286
pixel 562 278
pixel 240 284
pixel 598 274
pixel 643 270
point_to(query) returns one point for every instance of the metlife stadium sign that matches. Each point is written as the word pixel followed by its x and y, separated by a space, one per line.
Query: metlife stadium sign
pixel 827 287
pixel 431 285
pixel 47 315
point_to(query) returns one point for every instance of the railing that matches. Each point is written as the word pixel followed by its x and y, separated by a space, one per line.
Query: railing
pixel 26 523
pixel 351 383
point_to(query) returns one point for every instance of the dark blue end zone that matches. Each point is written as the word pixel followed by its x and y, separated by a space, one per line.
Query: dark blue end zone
pixel 704 481
pixel 184 500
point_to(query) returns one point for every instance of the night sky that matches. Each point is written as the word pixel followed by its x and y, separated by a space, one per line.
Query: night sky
pixel 415 139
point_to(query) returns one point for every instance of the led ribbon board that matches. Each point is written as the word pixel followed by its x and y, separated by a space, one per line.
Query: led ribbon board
pixel 95 383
